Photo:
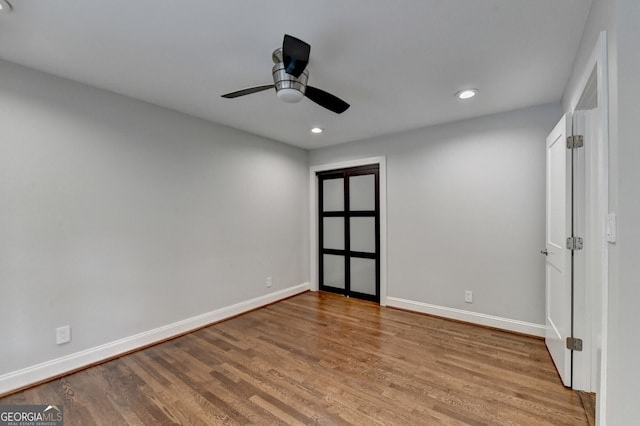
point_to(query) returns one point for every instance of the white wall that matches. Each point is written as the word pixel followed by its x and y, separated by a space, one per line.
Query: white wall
pixel 118 217
pixel 624 375
pixel 466 210
pixel 620 19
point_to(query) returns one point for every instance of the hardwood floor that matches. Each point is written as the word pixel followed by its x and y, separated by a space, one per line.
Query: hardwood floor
pixel 321 358
pixel 589 404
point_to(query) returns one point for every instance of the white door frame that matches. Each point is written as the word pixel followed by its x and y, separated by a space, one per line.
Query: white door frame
pixel 313 214
pixel 593 318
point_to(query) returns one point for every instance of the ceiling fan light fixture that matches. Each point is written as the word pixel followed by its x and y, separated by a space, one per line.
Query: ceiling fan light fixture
pixel 466 94
pixel 316 130
pixel 290 95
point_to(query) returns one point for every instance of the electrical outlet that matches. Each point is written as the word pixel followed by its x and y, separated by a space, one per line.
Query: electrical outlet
pixel 63 334
pixel 468 296
pixel 269 282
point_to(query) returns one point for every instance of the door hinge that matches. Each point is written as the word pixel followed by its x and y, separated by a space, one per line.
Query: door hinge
pixel 574 243
pixel 575 141
pixel 574 344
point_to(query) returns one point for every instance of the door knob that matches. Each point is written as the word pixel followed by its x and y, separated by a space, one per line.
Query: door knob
pixel 545 252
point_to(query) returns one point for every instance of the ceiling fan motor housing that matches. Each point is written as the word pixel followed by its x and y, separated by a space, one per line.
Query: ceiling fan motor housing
pixel 289 88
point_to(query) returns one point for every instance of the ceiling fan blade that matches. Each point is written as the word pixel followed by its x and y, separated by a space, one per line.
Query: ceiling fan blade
pixel 248 91
pixel 295 55
pixel 326 100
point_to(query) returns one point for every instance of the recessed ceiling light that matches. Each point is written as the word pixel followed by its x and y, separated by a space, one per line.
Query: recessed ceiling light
pixel 466 94
pixel 5 6
pixel 316 130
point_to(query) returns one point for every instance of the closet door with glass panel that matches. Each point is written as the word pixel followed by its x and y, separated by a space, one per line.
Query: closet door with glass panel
pixel 349 236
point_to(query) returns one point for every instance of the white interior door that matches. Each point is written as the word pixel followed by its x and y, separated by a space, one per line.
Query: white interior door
pixel 558 257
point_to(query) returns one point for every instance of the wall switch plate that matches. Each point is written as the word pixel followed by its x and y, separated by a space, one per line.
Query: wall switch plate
pixel 612 228
pixel 269 282
pixel 468 296
pixel 63 334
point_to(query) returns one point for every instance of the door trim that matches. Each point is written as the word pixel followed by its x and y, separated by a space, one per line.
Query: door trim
pixel 313 215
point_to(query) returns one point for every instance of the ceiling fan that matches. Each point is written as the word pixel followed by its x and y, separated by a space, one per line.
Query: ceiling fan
pixel 290 75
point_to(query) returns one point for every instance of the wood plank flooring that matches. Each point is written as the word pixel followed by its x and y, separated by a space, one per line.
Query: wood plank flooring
pixel 319 358
pixel 589 404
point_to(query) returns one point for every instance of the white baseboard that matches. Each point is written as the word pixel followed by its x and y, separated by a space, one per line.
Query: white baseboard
pixel 38 373
pixel 468 316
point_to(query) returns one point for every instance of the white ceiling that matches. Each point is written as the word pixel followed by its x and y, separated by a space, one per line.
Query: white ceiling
pixel 398 63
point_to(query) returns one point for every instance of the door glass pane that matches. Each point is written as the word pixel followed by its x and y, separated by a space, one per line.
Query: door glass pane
pixel 362 192
pixel 333 237
pixel 333 195
pixel 333 271
pixel 363 234
pixel 363 275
